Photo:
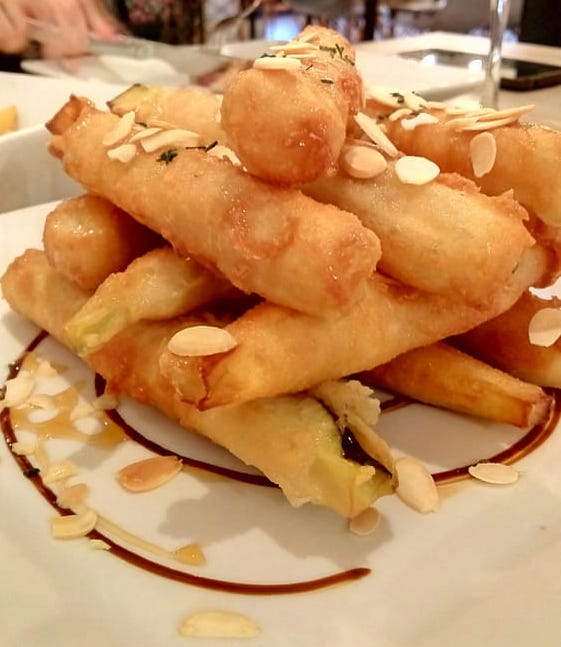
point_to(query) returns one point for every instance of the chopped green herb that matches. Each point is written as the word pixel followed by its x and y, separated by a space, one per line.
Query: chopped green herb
pixel 142 123
pixel 31 472
pixel 211 146
pixel 340 50
pixel 400 98
pixel 309 67
pixel 168 156
pixel 331 50
pixel 329 81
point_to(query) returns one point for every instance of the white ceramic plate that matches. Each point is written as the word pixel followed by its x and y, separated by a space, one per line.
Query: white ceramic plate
pixel 483 570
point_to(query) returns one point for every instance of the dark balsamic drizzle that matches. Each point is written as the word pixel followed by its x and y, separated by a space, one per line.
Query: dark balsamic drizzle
pixel 153 567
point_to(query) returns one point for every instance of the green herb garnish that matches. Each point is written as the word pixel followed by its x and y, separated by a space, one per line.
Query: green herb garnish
pixel 400 98
pixel 168 156
pixel 328 81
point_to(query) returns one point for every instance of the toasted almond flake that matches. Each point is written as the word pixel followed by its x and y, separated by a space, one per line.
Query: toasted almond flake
pixel 154 122
pixel 373 130
pixel 73 525
pixel 277 63
pixel 99 544
pixel 508 113
pixel 105 401
pixel 190 554
pixel 72 496
pixel 198 341
pixel 149 474
pixel 219 624
pixel 42 401
pixel 544 328
pixel 422 119
pixel 389 97
pixel 173 137
pixel 223 152
pixel 489 125
pixel 483 153
pixel 23 449
pixel 142 134
pixel 416 487
pixel 303 57
pixel 362 162
pixel 365 523
pixel 495 473
pixel 459 111
pixel 59 471
pixel 82 410
pixel 295 47
pixel 123 153
pixel 399 113
pixel 416 170
pixel 306 38
pixel 46 369
pixel 17 390
pixel 457 123
pixel 121 130
pixel 435 105
pixel 413 101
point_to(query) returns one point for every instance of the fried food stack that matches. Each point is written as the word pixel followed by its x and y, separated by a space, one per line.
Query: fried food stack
pixel 266 266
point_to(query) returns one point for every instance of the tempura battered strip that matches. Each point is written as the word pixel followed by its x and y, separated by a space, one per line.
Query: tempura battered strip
pixel 288 126
pixel 292 440
pixel 282 351
pixel 444 237
pixel 503 342
pixel 443 376
pixel 192 108
pixel 87 238
pixel 527 156
pixel 157 285
pixel 275 242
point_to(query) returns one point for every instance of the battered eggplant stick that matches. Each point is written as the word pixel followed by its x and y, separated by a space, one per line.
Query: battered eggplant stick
pixel 192 108
pixel 443 376
pixel 292 440
pixel 157 285
pixel 444 237
pixel 286 118
pixel 275 242
pixel 87 238
pixel 527 155
pixel 281 351
pixel 504 342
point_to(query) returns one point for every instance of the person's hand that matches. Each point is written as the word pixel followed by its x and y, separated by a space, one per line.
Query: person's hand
pixel 71 22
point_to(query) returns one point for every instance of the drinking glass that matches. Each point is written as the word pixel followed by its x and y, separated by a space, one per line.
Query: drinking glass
pixel 499 10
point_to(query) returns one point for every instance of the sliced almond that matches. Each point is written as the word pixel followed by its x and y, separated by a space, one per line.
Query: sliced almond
pixel 198 341
pixel 489 125
pixel 277 63
pixel 121 130
pixel 387 96
pixel 295 47
pixel 173 137
pixel 416 486
pixel 373 130
pixel 154 122
pixel 142 134
pixel 495 473
pixel 149 474
pixel 483 153
pixel 399 113
pixel 17 390
pixel 23 449
pixel 99 544
pixel 435 105
pixel 544 328
pixel 507 113
pixel 457 123
pixel 223 152
pixel 59 471
pixel 82 410
pixel 365 523
pixel 123 153
pixel 413 101
pixel 73 525
pixel 362 162
pixel 416 170
pixel 42 401
pixel 46 369
pixel 219 624
pixel 72 496
pixel 105 401
pixel 422 119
